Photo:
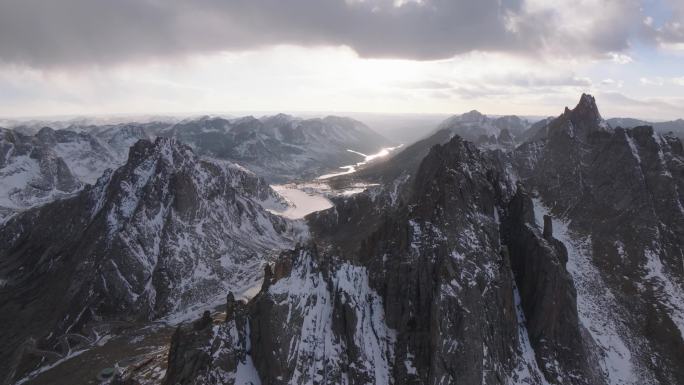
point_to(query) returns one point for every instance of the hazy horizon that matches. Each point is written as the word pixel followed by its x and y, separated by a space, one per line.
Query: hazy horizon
pixel 522 57
pixel 304 114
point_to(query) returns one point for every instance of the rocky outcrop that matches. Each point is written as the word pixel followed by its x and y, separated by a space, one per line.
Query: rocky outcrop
pixel 428 295
pixel 212 351
pixel 165 231
pixel 548 296
pixel 616 196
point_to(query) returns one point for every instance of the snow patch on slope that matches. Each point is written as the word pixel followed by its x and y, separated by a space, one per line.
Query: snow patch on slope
pixel 316 350
pixel 372 334
pixel 227 344
pixel 670 293
pixel 527 371
pixel 595 305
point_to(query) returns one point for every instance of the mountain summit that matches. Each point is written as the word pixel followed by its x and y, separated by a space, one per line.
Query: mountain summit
pixel 535 266
pixel 164 232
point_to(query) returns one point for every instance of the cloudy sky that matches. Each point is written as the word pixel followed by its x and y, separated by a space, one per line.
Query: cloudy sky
pixel 91 57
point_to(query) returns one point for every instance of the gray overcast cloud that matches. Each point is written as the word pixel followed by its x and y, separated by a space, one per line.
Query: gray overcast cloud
pixel 71 32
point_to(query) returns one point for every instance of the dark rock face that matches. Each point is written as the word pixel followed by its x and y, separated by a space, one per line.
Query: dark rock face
pixel 217 353
pixel 438 267
pixel 548 297
pixel 616 195
pixel 427 296
pixel 548 227
pixel 673 128
pixel 163 232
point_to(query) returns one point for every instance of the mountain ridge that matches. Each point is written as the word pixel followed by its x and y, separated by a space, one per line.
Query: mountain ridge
pixel 499 259
pixel 165 231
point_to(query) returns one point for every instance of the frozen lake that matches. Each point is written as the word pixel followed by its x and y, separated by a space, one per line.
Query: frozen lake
pixel 306 198
pixel 303 202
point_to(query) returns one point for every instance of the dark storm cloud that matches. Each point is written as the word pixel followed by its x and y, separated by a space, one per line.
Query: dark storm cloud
pixel 70 32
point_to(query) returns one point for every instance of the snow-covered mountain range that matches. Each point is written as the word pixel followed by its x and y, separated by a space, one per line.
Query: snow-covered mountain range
pixel 51 164
pixel 39 167
pixel 475 127
pixel 557 263
pixel 280 147
pixel 493 251
pixel 675 127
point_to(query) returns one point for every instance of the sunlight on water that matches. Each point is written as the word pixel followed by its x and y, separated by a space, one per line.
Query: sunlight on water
pixel 366 159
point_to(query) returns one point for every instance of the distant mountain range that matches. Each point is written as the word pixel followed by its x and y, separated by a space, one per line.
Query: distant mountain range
pixel 56 163
pixel 674 126
pixel 38 168
pixel 280 147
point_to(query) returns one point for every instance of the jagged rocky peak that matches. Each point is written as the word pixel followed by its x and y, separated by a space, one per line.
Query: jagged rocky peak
pixel 577 123
pixel 164 148
pixel 616 198
pixel 165 232
pixel 584 119
pixel 424 294
pixel 587 106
